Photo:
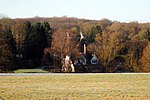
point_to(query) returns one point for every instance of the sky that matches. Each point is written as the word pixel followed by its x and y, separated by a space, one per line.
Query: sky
pixel 115 10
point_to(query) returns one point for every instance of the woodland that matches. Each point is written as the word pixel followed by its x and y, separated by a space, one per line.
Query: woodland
pixel 34 42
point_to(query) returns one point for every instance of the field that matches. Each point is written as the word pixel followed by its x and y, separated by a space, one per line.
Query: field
pixel 76 87
pixel 30 71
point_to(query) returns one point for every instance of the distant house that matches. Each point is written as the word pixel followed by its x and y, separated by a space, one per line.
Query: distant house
pixel 86 61
pixel 85 58
pixel 82 59
pixel 94 60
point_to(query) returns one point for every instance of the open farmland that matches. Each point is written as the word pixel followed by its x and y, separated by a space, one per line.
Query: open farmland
pixel 75 86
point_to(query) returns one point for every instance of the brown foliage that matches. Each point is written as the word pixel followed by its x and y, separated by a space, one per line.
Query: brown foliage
pixel 134 54
pixel 145 59
pixel 6 55
pixel 20 31
pixel 64 43
pixel 110 40
pixel 107 49
pixel 108 45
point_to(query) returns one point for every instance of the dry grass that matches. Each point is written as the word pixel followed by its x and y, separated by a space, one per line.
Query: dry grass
pixel 30 71
pixel 76 87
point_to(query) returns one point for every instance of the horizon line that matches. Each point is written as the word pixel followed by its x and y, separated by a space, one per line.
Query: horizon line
pixel 65 16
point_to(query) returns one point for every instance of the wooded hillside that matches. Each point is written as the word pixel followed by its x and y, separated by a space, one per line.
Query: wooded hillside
pixel 33 42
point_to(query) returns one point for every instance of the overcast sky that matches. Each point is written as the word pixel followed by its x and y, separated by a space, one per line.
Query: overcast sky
pixel 120 10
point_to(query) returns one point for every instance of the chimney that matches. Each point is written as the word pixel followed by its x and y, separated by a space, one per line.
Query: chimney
pixel 82 37
pixel 84 49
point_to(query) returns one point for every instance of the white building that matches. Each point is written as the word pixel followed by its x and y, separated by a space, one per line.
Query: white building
pixel 94 59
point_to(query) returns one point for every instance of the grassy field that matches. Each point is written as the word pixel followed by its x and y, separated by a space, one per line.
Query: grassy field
pixel 30 71
pixel 76 87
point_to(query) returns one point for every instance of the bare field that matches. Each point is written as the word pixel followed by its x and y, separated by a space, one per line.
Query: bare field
pixel 76 87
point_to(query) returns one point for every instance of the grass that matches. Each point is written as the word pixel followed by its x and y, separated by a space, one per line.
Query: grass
pixel 76 87
pixel 30 71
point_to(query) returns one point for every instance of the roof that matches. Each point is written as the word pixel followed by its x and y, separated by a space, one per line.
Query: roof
pixel 94 57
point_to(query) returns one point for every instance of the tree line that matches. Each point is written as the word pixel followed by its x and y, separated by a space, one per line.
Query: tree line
pixel 27 43
pixel 23 43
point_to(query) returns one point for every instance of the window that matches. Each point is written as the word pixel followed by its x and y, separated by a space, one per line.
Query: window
pixel 94 61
